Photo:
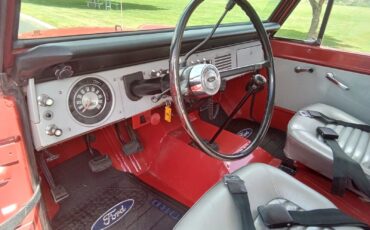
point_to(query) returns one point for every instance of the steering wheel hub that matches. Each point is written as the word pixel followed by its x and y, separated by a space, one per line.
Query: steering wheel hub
pixel 204 80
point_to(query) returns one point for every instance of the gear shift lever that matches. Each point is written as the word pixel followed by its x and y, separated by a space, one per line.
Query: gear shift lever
pixel 255 84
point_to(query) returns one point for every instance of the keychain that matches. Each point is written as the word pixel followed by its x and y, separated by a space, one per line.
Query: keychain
pixel 168 112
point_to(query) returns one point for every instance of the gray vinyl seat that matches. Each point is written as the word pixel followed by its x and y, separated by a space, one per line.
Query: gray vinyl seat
pixel 216 210
pixel 304 144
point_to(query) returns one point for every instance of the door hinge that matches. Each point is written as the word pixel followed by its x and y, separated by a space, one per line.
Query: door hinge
pixel 7 83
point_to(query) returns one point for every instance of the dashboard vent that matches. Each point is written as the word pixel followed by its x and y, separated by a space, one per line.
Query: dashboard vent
pixel 223 62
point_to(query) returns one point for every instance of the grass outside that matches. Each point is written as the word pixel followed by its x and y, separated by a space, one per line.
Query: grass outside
pixel 348 27
pixel 75 13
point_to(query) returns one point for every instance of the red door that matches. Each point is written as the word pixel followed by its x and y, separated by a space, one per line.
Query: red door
pixel 19 190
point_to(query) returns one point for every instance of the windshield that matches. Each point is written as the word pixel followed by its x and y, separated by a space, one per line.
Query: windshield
pixel 55 18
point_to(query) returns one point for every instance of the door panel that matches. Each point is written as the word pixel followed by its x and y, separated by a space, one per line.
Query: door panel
pixel 297 90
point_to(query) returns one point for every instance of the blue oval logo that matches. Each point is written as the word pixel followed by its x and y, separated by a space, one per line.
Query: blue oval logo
pixel 245 132
pixel 113 215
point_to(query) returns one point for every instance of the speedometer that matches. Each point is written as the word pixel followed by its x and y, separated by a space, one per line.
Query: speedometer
pixel 90 100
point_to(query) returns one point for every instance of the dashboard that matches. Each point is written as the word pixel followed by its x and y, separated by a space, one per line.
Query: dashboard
pixel 66 108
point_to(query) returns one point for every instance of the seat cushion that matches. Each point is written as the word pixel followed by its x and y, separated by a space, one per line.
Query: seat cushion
pixel 306 146
pixel 265 185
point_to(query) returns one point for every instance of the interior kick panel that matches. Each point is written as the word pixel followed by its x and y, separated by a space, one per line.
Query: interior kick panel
pixel 59 110
pixel 295 91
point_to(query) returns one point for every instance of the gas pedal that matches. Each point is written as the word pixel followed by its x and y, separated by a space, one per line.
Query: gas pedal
pixel 100 163
pixel 134 145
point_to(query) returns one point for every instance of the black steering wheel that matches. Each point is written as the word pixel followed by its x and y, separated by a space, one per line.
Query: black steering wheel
pixel 204 80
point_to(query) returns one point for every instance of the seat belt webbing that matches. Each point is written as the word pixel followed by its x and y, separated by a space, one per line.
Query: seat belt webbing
pixel 277 216
pixel 325 218
pixel 272 213
pixel 239 193
pixel 327 120
pixel 346 169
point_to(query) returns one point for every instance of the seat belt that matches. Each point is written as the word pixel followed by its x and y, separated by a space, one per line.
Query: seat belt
pixel 327 120
pixel 277 216
pixel 345 168
pixel 239 193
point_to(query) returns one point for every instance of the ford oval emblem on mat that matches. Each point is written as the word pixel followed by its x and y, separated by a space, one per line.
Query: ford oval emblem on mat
pixel 113 215
pixel 245 132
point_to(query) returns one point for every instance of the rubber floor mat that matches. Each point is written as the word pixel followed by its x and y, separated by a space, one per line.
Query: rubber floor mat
pixel 273 142
pixel 110 198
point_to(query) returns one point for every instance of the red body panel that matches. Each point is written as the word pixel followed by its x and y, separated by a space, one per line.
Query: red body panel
pixel 15 181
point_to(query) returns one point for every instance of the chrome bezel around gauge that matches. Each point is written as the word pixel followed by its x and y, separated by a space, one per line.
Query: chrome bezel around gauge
pixel 99 107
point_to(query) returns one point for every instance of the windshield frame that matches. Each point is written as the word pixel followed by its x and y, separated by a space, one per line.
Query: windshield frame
pixel 30 42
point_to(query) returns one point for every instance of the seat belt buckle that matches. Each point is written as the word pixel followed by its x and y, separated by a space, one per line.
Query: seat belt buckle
pixel 275 216
pixel 234 184
pixel 327 133
pixel 309 113
pixel 314 114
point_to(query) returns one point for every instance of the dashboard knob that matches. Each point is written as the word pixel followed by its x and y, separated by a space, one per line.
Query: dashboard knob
pixel 45 100
pixel 153 73
pixel 53 130
pixel 58 132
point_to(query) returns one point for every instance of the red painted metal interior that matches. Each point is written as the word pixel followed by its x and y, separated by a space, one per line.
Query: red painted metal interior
pixel 15 169
pixel 172 165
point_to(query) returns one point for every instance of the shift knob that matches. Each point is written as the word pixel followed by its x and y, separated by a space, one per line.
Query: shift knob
pixel 259 79
pixel 257 82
